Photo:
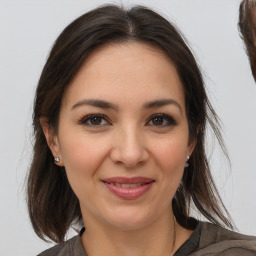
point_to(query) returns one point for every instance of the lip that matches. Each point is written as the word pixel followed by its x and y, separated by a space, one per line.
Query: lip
pixel 128 193
pixel 128 180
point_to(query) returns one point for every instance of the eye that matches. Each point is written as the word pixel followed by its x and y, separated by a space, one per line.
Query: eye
pixel 161 120
pixel 94 120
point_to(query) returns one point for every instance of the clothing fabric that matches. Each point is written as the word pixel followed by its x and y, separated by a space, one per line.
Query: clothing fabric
pixel 206 240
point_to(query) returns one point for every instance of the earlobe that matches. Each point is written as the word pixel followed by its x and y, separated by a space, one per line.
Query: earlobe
pixel 190 150
pixel 52 141
pixel 192 142
pixel 191 147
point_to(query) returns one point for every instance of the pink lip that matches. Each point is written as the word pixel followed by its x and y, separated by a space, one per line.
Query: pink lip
pixel 128 193
pixel 126 180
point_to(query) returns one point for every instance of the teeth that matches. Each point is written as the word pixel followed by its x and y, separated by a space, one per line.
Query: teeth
pixel 134 185
pixel 126 185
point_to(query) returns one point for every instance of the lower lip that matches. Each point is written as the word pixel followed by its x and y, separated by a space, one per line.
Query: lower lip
pixel 129 193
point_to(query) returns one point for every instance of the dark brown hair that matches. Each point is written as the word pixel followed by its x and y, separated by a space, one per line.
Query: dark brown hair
pixel 52 204
pixel 247 27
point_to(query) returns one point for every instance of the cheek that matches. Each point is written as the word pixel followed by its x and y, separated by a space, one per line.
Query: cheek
pixel 82 156
pixel 171 156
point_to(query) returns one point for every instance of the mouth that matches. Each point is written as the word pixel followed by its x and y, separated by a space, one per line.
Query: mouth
pixel 127 185
pixel 128 188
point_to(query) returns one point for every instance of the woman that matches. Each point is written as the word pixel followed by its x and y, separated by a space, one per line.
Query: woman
pixel 119 120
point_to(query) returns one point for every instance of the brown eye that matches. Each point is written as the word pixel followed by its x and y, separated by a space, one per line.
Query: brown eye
pixel 158 120
pixel 162 120
pixel 94 120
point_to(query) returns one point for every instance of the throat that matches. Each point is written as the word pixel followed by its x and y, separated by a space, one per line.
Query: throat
pixel 153 240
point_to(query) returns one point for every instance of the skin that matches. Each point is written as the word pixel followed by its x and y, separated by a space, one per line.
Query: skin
pixel 129 142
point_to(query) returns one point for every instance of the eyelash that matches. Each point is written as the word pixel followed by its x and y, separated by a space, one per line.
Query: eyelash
pixel 86 119
pixel 169 119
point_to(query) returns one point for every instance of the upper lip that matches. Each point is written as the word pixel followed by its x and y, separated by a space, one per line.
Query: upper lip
pixel 128 180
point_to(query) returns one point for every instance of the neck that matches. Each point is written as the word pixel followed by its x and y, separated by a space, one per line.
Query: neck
pixel 162 237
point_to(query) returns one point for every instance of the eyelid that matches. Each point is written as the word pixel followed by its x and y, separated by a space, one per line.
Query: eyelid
pixel 86 118
pixel 170 119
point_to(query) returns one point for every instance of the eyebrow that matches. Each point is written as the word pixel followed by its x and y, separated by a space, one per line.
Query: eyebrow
pixel 95 103
pixel 161 103
pixel 107 105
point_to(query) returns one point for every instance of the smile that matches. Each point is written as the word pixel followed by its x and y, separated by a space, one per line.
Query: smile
pixel 128 188
pixel 127 185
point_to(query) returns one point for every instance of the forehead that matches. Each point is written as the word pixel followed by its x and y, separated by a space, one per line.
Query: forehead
pixel 131 70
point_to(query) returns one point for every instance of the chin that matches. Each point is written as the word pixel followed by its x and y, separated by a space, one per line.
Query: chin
pixel 128 219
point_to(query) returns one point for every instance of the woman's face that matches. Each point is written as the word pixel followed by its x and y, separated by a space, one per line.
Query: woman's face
pixel 123 135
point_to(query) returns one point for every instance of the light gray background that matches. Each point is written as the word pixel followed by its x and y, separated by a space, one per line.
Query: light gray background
pixel 29 28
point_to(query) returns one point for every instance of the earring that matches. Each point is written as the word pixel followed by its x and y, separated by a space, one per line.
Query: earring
pixel 187 164
pixel 56 159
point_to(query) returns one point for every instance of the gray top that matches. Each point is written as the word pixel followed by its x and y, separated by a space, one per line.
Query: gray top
pixel 206 240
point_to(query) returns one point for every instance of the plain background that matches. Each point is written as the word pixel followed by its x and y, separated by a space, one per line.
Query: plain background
pixel 29 28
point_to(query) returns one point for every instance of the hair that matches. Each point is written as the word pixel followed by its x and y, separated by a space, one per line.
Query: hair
pixel 247 28
pixel 53 206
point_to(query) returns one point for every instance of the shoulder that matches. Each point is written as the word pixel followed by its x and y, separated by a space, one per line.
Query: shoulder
pixel 216 233
pixel 72 247
pixel 60 249
pixel 220 241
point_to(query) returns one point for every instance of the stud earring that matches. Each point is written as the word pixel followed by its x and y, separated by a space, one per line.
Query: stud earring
pixel 187 164
pixel 56 159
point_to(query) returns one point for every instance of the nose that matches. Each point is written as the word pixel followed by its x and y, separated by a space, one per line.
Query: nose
pixel 129 148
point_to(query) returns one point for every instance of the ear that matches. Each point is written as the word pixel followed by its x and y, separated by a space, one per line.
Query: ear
pixel 52 140
pixel 192 143
pixel 191 147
